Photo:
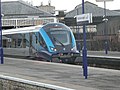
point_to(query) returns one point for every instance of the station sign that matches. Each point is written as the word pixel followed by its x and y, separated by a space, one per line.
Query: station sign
pixel 84 18
pixel 103 0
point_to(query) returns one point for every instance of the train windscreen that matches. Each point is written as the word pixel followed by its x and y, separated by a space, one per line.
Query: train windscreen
pixel 59 33
pixel 60 37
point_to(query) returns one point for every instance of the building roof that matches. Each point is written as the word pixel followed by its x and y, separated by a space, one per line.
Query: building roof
pixel 91 8
pixel 20 8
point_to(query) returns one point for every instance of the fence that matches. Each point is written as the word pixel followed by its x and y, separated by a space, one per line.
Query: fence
pixel 27 21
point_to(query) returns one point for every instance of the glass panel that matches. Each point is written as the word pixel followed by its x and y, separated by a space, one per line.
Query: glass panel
pixel 60 37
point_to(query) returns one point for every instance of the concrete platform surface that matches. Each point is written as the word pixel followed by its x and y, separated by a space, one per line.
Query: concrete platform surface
pixel 69 76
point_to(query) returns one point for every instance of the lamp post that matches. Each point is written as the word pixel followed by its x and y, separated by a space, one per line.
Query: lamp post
pixel 105 28
pixel 84 51
pixel 105 24
pixel 1 49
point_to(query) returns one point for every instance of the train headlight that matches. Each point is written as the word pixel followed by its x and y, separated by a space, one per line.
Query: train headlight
pixel 74 48
pixel 53 49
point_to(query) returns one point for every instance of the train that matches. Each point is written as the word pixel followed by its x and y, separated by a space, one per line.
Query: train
pixel 53 42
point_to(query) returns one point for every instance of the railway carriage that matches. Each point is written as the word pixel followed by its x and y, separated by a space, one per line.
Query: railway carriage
pixel 50 42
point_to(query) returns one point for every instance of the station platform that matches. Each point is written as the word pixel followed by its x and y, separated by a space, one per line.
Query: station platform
pixel 64 75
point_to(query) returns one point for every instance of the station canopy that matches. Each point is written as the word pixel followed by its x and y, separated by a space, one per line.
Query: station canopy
pixel 21 9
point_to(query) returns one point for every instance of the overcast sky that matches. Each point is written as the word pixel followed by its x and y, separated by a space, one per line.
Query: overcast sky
pixel 70 4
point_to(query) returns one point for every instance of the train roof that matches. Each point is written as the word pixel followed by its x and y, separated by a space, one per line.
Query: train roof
pixel 22 30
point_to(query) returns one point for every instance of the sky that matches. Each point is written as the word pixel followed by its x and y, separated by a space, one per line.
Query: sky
pixel 69 5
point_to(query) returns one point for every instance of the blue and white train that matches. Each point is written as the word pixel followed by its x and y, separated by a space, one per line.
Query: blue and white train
pixel 50 42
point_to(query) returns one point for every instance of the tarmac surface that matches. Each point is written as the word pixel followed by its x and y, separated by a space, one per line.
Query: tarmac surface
pixel 69 76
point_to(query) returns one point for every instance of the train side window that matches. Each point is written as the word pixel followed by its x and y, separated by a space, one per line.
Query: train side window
pixel 27 37
pixel 34 37
pixel 37 37
pixel 5 41
pixel 19 42
pixel 22 41
pixel 36 40
pixel 42 42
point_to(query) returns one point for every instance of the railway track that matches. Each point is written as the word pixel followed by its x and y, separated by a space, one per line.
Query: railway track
pixel 103 62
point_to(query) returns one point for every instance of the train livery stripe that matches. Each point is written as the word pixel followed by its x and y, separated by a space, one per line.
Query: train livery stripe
pixel 73 40
pixel 46 39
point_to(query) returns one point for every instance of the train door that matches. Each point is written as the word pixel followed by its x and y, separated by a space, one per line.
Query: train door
pixel 36 43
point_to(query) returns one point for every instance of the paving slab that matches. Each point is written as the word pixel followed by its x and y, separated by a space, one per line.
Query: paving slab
pixel 69 76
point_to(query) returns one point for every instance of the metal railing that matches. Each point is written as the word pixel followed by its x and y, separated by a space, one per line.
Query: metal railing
pixel 27 21
pixel 79 29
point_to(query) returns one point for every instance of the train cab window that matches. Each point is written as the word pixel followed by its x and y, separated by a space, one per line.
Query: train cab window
pixel 61 36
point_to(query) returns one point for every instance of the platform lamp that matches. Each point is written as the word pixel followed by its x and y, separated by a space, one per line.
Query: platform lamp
pixel 105 24
pixel 1 49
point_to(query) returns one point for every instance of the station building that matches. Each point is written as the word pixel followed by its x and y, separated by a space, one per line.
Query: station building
pixel 96 33
pixel 19 13
pixel 48 8
pixel 21 9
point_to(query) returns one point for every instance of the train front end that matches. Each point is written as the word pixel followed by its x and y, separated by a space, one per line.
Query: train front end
pixel 60 43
